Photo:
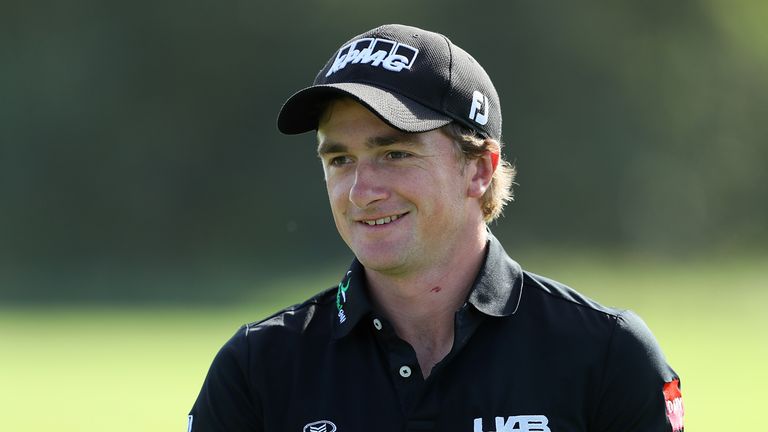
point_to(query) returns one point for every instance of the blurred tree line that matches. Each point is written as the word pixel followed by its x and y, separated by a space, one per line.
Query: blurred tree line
pixel 139 157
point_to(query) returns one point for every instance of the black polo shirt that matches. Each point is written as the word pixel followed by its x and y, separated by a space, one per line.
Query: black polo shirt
pixel 529 354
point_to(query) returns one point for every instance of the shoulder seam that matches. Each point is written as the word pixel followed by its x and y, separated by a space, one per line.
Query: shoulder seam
pixel 531 276
pixel 313 301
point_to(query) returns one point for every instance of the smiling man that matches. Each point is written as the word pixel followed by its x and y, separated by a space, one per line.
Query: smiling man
pixel 433 327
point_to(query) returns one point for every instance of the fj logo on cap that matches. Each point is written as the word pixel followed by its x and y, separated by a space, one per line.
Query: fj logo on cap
pixel 479 109
pixel 390 55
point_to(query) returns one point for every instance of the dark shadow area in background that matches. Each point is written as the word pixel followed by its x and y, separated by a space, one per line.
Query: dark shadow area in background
pixel 139 159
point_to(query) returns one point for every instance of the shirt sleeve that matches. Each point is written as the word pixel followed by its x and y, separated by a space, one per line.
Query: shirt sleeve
pixel 633 395
pixel 226 402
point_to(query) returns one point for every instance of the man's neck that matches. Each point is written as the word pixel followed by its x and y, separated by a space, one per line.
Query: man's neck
pixel 422 306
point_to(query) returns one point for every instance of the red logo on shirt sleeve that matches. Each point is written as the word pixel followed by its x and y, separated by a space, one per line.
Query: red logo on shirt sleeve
pixel 674 403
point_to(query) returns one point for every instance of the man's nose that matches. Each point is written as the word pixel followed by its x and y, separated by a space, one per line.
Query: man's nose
pixel 369 186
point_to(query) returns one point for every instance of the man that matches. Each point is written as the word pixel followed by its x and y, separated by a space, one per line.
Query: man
pixel 433 327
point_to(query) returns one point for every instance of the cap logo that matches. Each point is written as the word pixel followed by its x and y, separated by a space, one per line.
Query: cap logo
pixel 479 103
pixel 391 55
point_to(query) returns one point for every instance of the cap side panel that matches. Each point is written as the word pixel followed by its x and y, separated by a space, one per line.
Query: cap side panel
pixel 446 93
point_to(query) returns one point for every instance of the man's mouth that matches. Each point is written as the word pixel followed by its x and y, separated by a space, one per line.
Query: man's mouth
pixel 384 220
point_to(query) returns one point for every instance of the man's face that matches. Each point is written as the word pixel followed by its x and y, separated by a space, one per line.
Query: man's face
pixel 400 200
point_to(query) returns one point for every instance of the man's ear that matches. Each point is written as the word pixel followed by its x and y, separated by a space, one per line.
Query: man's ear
pixel 484 167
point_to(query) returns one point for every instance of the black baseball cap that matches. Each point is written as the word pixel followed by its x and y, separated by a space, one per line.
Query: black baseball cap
pixel 415 80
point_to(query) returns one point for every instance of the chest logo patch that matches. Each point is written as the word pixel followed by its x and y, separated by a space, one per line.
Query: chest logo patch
pixel 341 298
pixel 518 423
pixel 320 426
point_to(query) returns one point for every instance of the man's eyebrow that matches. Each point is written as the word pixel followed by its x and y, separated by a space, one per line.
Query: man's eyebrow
pixel 403 138
pixel 326 147
pixel 395 138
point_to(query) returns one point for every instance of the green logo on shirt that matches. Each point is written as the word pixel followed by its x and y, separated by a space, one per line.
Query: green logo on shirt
pixel 341 298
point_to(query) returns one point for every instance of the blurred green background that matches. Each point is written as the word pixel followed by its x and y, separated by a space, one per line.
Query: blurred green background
pixel 148 206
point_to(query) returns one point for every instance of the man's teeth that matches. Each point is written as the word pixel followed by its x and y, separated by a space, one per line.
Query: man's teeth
pixel 382 221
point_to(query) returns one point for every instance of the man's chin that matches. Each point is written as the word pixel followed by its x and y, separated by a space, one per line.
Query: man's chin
pixel 383 263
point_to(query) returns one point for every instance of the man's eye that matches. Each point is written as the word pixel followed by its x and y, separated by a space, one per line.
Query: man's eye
pixel 339 160
pixel 398 155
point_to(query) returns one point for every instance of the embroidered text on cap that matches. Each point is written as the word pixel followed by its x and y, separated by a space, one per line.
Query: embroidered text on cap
pixel 390 55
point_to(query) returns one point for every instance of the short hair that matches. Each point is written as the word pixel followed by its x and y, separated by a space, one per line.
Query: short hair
pixel 473 146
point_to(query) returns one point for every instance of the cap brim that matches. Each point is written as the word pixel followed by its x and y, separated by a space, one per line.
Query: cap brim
pixel 301 112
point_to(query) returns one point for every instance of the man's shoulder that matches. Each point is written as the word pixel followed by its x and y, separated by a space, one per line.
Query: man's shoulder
pixel 298 318
pixel 576 314
pixel 564 296
pixel 572 312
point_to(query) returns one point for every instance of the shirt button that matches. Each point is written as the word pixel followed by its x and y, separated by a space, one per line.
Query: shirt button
pixel 377 323
pixel 405 371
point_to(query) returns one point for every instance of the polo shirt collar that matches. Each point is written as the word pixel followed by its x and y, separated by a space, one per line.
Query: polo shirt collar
pixel 498 288
pixel 496 291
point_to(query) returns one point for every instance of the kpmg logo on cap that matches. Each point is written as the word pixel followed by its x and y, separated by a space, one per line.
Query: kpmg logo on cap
pixel 391 55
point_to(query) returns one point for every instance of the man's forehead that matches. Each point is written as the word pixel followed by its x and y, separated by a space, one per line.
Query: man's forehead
pixel 343 116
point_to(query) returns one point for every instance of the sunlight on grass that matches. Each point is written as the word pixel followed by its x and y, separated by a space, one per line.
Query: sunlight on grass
pixel 88 369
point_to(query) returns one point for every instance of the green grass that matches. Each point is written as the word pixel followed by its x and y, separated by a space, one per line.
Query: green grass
pixel 139 369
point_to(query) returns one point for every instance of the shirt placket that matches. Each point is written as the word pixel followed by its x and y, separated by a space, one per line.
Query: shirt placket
pixel 403 367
